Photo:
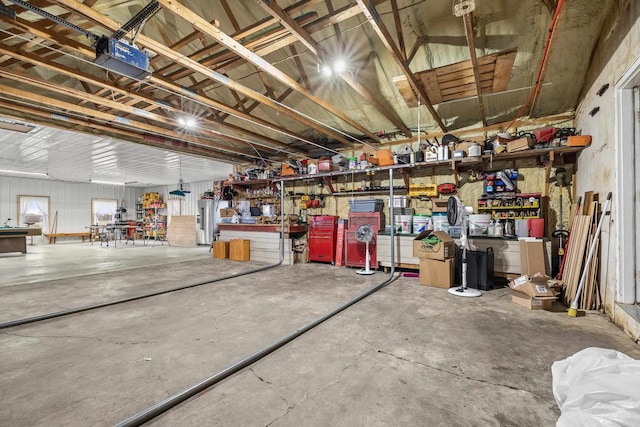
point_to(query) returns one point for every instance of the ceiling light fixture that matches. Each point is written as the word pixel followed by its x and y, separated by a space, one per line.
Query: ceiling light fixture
pixel 15 126
pixel 95 181
pixel 187 122
pixel 326 71
pixel 23 172
pixel 339 66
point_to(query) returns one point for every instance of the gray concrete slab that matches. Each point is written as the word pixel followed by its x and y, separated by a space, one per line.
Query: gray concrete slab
pixel 407 355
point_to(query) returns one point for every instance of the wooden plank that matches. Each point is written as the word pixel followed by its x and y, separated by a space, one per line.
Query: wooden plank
pixel 465 73
pixel 182 231
pixel 586 202
pixel 430 83
pixel 459 89
pixel 409 96
pixel 502 72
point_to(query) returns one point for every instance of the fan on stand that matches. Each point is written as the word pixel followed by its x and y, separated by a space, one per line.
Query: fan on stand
pixel 457 215
pixel 364 234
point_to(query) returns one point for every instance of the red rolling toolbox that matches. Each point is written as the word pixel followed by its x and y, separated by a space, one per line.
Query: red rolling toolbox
pixel 322 238
pixel 355 252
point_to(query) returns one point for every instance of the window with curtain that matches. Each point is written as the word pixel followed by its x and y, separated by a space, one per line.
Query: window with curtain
pixel 103 211
pixel 34 212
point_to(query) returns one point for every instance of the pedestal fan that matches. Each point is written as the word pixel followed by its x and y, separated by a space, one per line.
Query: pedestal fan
pixel 457 215
pixel 364 234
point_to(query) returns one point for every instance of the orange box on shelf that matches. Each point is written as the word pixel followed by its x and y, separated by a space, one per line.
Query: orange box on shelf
pixel 578 141
pixel 286 170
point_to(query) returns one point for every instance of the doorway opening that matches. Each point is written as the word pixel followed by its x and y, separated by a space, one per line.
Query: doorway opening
pixel 627 97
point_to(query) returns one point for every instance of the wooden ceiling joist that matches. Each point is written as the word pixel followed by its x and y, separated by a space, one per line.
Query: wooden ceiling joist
pixel 378 26
pixel 115 120
pixel 90 127
pixel 161 49
pixel 107 89
pixel 306 39
pixel 224 39
pixel 468 29
pixel 285 20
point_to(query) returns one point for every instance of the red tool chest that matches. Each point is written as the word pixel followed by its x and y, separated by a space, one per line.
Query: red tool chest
pixel 355 252
pixel 322 238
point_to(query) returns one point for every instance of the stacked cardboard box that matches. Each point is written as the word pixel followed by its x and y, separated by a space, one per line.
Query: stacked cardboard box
pixel 436 250
pixel 532 292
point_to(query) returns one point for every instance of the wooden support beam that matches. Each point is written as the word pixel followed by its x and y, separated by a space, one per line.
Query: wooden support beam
pixel 90 127
pixel 222 38
pixel 303 73
pixel 468 29
pixel 378 26
pixel 116 121
pixel 285 20
pixel 414 49
pixel 170 54
pixel 398 25
pixel 107 89
pixel 368 96
pixel 230 15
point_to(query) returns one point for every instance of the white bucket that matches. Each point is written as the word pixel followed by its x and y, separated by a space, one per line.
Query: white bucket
pixel 440 222
pixel 421 223
pixel 403 223
pixel 479 225
pixel 522 227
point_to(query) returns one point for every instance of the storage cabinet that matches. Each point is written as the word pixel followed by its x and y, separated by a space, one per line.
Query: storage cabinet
pixel 322 238
pixel 519 206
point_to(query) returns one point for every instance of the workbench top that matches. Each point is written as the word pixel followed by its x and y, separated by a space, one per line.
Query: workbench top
pixel 264 228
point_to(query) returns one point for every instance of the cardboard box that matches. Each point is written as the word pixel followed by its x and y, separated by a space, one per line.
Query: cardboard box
pixel 520 144
pixel 532 303
pixel 324 165
pixel 227 212
pixel 442 250
pixel 239 249
pixel 439 205
pixel 533 286
pixel 532 259
pixel 437 274
pixel 221 250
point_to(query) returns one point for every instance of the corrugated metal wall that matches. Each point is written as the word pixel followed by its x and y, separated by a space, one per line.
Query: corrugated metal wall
pixel 71 200
pixel 189 203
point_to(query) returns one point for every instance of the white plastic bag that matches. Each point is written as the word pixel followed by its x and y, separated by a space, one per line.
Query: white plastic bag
pixel 597 387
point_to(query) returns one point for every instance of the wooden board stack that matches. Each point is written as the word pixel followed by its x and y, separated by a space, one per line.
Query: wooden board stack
pixel 585 222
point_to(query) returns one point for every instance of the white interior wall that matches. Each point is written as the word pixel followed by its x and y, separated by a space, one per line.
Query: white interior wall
pixel 617 50
pixel 71 200
pixel 189 203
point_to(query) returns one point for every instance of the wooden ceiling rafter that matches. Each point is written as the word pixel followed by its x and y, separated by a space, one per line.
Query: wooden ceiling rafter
pixel 468 30
pixel 398 25
pixel 107 89
pixel 171 87
pixel 161 49
pixel 414 49
pixel 148 118
pixel 304 37
pixel 187 14
pixel 336 26
pixel 380 29
pixel 89 127
pixel 276 39
pixel 230 15
pixel 63 106
pixel 272 8
pixel 303 74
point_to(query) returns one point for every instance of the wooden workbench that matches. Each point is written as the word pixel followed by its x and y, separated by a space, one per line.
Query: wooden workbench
pixel 265 239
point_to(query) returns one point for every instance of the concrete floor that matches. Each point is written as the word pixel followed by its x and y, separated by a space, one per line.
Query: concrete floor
pixel 407 355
